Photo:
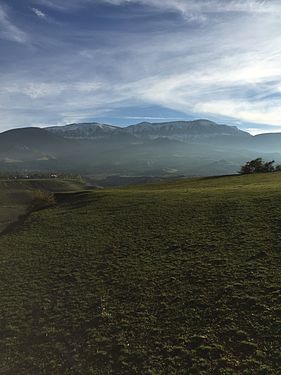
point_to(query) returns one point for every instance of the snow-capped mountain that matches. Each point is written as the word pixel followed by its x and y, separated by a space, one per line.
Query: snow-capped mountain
pixel 84 130
pixel 184 131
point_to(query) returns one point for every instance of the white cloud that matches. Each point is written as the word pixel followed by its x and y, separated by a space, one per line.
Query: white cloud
pixel 255 131
pixel 38 13
pixel 10 31
pixel 260 113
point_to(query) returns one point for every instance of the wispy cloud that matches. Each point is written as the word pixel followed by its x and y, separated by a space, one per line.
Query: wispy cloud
pixel 263 113
pixel 209 6
pixel 8 30
pixel 39 90
pixel 63 5
pixel 38 13
pixel 183 6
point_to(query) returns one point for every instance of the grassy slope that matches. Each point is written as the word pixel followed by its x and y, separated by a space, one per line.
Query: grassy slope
pixel 16 195
pixel 181 278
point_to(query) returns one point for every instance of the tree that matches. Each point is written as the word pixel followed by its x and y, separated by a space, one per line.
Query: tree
pixel 268 166
pixel 257 166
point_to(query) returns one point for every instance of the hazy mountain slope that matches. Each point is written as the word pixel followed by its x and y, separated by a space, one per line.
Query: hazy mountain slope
pixel 34 140
pixel 268 141
pixel 34 146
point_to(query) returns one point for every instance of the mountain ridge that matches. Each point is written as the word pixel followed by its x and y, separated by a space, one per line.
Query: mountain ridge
pixel 191 148
pixel 178 130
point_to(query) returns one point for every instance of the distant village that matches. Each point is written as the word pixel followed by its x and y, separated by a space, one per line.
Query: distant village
pixel 36 175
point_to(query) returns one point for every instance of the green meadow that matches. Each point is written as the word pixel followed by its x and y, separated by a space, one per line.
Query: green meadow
pixel 173 278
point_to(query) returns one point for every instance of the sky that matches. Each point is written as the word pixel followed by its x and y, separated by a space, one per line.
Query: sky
pixel 127 61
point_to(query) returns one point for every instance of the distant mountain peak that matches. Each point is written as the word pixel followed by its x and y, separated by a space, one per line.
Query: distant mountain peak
pixel 85 130
pixel 185 130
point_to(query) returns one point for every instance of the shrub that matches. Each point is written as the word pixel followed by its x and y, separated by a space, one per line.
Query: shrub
pixel 258 166
pixel 42 199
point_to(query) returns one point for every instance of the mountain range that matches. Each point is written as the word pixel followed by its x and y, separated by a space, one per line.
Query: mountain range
pixel 199 147
pixel 183 131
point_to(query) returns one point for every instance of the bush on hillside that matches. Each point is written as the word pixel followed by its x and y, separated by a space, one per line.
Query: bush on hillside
pixel 259 166
pixel 42 199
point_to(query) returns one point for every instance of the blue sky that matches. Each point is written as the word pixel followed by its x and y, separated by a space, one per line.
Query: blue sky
pixel 124 61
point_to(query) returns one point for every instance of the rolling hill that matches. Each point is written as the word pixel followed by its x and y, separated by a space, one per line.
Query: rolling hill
pixel 170 278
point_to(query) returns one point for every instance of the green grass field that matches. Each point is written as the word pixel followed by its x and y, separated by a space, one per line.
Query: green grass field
pixel 176 279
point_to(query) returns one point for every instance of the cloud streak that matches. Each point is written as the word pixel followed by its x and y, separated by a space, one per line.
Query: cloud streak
pixel 10 31
pixel 183 6
pixel 207 6
pixel 38 13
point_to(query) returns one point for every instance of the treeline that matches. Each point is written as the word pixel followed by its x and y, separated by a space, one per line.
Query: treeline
pixel 259 166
